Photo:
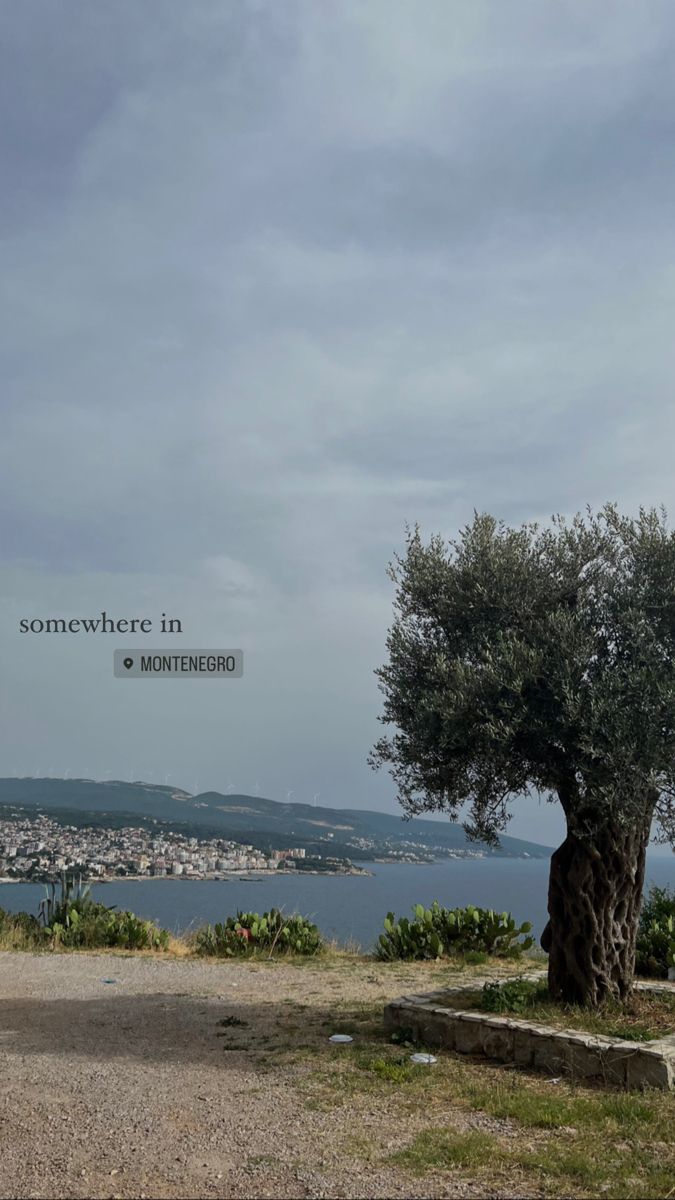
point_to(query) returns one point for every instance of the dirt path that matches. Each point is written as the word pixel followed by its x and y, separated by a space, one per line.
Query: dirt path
pixel 189 1079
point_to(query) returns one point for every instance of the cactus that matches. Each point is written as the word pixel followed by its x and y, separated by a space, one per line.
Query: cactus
pixel 437 931
pixel 249 932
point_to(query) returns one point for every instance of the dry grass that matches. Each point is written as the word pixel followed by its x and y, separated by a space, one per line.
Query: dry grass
pixel 511 1131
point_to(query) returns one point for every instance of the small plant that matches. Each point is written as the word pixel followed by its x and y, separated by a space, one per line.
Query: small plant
pixel 73 895
pixel 248 932
pixel 404 1037
pixel 517 995
pixel 437 932
pixel 397 1070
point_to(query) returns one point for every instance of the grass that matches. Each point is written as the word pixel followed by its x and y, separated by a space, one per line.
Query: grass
pixel 441 1148
pixel 571 1141
pixel 535 1104
pixel 15 938
pixel 14 935
pixel 568 1165
pixel 548 1139
pixel 642 1018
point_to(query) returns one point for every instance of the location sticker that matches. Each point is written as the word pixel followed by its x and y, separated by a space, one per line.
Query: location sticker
pixel 185 664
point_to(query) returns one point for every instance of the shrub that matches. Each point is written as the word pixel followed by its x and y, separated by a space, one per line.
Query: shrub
pixel 437 932
pixel 19 931
pixel 517 995
pixel 94 926
pixel 655 947
pixel 248 932
pixel 660 903
pixel 75 921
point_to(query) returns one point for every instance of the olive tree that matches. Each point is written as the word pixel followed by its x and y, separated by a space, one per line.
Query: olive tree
pixel 541 659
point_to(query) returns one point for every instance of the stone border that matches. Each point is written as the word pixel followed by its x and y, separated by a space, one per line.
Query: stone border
pixel 434 1020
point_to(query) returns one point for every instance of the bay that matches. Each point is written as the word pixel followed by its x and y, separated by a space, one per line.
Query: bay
pixel 347 908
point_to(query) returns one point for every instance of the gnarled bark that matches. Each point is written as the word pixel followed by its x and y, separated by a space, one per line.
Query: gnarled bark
pixel 594 900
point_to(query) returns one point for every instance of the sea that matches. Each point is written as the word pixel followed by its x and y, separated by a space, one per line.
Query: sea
pixel 349 909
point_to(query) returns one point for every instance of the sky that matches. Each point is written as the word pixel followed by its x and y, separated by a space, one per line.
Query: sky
pixel 279 277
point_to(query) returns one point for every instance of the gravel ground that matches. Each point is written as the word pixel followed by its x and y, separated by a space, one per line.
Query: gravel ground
pixel 133 1088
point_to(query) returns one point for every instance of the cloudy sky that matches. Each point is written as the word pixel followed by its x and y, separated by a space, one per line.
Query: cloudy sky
pixel 280 276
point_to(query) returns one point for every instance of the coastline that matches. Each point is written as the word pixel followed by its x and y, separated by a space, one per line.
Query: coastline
pixel 218 877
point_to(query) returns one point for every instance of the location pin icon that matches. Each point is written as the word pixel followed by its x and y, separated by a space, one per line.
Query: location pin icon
pixel 128 662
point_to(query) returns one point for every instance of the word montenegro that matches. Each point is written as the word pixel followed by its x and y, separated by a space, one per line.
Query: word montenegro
pixel 187 662
pixel 101 624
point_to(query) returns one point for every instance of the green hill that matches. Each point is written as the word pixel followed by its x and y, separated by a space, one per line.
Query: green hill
pixel 268 824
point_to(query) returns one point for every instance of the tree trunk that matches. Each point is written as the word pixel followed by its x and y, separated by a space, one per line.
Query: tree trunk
pixel 594 900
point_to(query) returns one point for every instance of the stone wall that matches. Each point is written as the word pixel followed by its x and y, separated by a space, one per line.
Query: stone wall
pixel 436 1019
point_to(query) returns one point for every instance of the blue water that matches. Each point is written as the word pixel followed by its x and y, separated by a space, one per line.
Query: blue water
pixel 348 908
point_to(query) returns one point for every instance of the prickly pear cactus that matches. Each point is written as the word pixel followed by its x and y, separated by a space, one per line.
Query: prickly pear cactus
pixel 438 931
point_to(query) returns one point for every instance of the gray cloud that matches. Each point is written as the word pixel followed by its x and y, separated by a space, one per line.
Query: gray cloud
pixel 279 278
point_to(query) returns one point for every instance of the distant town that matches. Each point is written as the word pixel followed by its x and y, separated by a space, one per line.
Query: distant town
pixel 38 849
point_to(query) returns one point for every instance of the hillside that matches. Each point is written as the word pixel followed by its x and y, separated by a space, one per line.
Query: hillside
pixel 265 823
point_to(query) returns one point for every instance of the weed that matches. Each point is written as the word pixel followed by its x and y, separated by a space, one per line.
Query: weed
pixel 434 1148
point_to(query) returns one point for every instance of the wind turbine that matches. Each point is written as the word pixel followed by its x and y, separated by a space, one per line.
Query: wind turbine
pixel 256 788
pixel 289 793
pixel 315 798
pixel 196 787
pixel 230 787
pixel 167 778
